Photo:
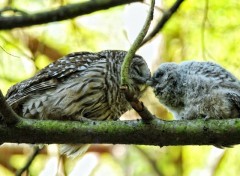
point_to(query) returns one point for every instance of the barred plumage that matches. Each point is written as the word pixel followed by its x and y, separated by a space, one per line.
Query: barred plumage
pixel 197 89
pixel 79 85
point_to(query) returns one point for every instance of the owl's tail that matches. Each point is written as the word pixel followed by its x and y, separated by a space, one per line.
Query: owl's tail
pixel 72 150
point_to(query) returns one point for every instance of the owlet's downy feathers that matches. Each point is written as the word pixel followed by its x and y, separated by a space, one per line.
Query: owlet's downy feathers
pixel 78 86
pixel 193 90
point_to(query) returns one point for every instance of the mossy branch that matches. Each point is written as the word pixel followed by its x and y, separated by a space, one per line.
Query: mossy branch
pixel 135 46
pixel 156 132
pixel 152 132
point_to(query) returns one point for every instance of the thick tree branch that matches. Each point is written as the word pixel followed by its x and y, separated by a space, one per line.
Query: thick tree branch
pixel 62 13
pixel 166 16
pixel 156 132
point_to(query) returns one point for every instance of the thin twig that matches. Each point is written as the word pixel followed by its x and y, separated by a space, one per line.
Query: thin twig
pixel 36 151
pixel 203 29
pixel 165 18
pixel 9 116
pixel 156 7
pixel 10 40
pixel 136 44
pixel 8 52
pixel 137 105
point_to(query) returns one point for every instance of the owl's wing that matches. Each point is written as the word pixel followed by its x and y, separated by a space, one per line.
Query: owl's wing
pixel 50 76
pixel 207 70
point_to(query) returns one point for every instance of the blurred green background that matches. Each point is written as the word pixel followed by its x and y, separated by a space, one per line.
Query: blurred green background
pixel 200 30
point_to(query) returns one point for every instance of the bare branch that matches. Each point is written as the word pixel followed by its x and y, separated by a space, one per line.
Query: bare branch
pixel 6 9
pixel 165 18
pixel 137 105
pixel 62 13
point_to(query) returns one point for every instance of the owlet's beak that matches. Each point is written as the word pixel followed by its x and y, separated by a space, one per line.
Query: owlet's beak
pixel 149 82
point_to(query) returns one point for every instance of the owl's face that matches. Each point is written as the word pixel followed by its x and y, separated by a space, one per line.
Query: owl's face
pixel 139 71
pixel 164 74
pixel 164 80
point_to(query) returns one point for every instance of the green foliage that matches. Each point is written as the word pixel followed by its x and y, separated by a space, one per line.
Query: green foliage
pixel 184 33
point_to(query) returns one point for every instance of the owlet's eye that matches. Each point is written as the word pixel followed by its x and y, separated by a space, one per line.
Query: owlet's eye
pixel 159 74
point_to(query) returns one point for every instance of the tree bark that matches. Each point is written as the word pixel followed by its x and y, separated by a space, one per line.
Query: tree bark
pixel 62 13
pixel 154 132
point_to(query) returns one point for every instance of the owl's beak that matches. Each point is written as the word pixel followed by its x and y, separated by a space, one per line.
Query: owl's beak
pixel 149 82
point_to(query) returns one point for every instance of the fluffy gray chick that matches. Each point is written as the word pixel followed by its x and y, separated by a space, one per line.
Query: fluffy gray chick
pixel 193 90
